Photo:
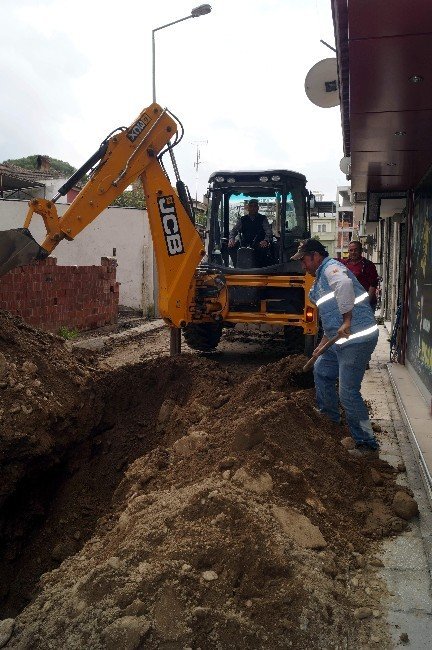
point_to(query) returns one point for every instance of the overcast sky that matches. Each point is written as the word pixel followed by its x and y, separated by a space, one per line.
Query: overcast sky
pixel 71 72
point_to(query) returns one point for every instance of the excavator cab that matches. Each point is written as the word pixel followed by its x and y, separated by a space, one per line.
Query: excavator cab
pixel 264 286
pixel 282 199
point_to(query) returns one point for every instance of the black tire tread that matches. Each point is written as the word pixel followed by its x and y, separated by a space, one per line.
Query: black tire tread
pixel 294 339
pixel 203 337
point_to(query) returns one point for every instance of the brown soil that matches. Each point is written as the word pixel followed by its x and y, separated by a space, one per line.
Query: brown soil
pixel 189 502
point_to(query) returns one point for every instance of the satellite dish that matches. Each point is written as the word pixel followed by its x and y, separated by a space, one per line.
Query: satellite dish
pixel 321 84
pixel 345 165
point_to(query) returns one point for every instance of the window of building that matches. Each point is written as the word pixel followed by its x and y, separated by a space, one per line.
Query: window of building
pixel 322 227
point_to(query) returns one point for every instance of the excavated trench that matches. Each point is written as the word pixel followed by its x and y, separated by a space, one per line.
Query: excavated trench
pixel 54 508
pixel 179 503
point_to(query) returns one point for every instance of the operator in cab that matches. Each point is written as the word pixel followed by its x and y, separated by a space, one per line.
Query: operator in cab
pixel 345 310
pixel 255 231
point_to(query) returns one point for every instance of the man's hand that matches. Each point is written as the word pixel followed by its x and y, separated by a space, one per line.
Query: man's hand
pixel 345 329
pixel 323 341
pixel 264 243
pixel 231 243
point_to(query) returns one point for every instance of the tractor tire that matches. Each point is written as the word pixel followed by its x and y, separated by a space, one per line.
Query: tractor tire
pixel 298 343
pixel 310 343
pixel 294 339
pixel 204 337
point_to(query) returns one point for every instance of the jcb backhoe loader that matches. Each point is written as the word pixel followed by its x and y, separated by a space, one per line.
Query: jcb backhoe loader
pixel 196 294
pixel 274 292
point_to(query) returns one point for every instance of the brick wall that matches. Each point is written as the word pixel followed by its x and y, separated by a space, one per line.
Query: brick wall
pixel 50 296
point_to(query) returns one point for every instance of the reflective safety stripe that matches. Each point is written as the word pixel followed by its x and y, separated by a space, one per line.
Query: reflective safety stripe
pixel 331 295
pixel 357 334
pixel 328 296
pixel 360 298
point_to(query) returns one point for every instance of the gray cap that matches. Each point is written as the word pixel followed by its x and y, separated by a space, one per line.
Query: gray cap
pixel 309 246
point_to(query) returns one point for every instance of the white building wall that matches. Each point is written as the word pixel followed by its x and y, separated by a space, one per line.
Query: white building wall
pixel 327 238
pixel 52 187
pixel 124 229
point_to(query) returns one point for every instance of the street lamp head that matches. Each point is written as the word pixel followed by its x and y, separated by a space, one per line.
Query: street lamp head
pixel 201 10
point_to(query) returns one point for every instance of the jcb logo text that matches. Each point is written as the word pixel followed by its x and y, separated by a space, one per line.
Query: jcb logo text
pixel 170 225
pixel 138 128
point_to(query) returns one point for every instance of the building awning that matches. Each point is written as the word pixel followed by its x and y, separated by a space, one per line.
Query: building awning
pixel 384 51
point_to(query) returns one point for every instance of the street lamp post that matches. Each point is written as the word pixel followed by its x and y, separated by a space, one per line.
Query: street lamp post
pixel 201 10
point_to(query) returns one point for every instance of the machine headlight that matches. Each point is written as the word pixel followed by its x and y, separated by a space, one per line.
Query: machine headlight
pixel 275 178
pixel 231 180
pixel 263 179
pixel 219 179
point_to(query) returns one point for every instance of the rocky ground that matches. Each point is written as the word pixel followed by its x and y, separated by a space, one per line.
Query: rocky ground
pixel 189 502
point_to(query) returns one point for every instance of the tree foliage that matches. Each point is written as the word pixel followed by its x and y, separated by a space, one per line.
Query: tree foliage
pixel 30 162
pixel 131 199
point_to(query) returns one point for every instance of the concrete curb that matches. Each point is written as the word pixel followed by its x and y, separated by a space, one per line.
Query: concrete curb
pixel 99 342
pixel 416 447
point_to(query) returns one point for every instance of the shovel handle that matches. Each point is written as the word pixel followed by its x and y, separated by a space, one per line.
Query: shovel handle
pixel 322 349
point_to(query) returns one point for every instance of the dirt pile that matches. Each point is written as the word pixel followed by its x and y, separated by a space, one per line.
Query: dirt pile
pixel 41 400
pixel 242 522
pixel 46 407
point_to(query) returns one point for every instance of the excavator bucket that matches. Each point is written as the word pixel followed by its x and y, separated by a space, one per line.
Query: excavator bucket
pixel 18 248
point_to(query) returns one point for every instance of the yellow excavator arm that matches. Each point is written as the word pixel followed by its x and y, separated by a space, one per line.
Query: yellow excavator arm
pixel 124 157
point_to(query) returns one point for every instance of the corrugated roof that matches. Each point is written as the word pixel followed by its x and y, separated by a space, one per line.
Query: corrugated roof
pixel 13 177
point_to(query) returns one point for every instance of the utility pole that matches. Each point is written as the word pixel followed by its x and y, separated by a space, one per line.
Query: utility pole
pixel 197 163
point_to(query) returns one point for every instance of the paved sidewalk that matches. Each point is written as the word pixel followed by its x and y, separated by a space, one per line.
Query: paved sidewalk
pixel 407 559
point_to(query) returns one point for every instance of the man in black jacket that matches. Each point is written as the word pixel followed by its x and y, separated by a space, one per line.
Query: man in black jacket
pixel 254 231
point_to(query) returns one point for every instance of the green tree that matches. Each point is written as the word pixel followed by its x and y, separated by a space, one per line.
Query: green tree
pixel 131 199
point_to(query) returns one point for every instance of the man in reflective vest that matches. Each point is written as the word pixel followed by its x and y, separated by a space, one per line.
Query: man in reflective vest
pixel 345 310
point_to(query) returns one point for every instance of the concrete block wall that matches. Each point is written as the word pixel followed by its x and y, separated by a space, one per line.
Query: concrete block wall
pixel 49 296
